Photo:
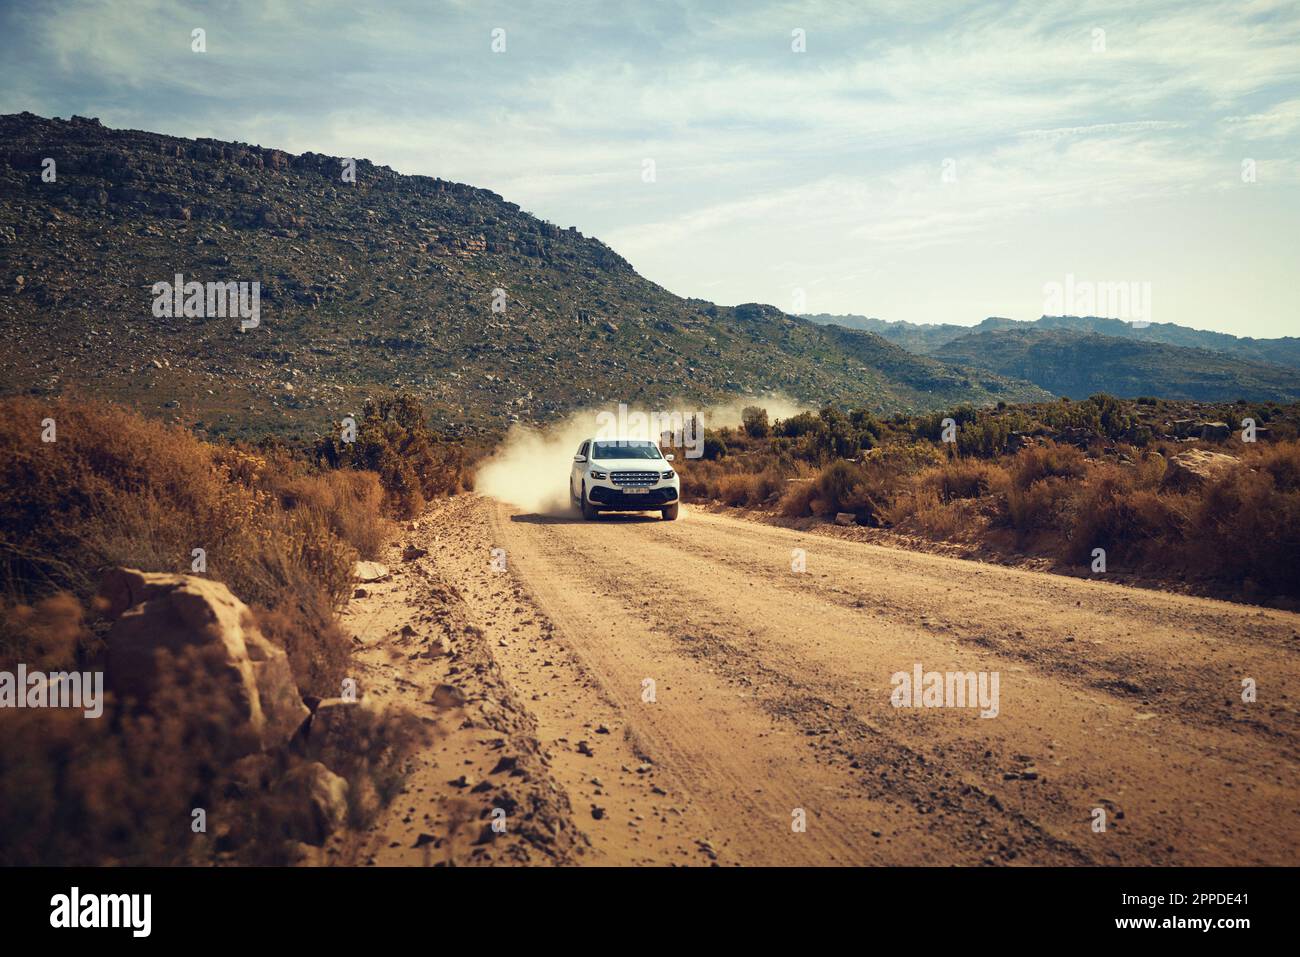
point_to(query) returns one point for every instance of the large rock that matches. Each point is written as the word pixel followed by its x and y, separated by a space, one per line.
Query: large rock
pixel 1195 467
pixel 1215 431
pixel 198 620
pixel 319 802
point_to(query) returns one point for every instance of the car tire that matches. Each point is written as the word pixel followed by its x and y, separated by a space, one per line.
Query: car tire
pixel 669 512
pixel 588 513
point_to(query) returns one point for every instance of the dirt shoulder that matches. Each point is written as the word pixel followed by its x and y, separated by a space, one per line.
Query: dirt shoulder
pixel 420 647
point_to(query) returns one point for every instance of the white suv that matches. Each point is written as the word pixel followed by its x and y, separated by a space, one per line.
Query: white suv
pixel 623 475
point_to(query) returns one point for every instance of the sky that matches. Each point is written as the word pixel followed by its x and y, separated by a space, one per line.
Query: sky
pixel 908 159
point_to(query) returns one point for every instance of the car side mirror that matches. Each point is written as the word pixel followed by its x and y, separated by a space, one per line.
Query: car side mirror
pixel 669 457
pixel 579 458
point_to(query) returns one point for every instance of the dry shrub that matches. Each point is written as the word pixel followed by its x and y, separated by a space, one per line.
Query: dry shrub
pixel 393 440
pixel 962 478
pixel 120 788
pixel 797 499
pixel 748 488
pixel 116 489
pixel 303 624
pixel 1245 528
pixel 734 489
pixel 1037 507
pixel 347 502
pixel 1103 515
pixel 867 488
pixel 920 509
pixel 1041 462
pixel 840 487
pixel 1281 463
pixel 370 751
pixel 48 636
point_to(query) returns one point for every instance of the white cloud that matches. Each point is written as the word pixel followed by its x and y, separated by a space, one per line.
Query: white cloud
pixel 767 160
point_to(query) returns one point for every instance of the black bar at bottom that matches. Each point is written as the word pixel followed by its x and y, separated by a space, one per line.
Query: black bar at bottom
pixel 923 905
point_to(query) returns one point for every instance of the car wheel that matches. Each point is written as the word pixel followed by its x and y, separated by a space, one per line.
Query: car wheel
pixel 669 512
pixel 588 512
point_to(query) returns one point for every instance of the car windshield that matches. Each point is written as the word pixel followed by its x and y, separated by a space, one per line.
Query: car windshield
pixel 625 449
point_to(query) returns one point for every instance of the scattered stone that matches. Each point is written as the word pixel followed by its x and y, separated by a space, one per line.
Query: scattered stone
pixel 369 572
pixel 505 763
pixel 446 696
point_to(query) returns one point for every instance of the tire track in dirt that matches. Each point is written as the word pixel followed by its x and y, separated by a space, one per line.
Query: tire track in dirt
pixel 773 695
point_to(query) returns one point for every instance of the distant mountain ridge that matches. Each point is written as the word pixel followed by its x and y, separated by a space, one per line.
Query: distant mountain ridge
pixel 1079 364
pixel 925 339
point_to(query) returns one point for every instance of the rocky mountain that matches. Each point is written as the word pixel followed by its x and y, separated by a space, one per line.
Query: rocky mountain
pixel 927 338
pixel 1080 364
pixel 365 280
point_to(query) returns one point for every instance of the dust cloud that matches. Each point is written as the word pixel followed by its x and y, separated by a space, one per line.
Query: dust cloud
pixel 530 468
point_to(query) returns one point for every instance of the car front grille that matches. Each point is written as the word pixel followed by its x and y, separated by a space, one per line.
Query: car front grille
pixel 634 479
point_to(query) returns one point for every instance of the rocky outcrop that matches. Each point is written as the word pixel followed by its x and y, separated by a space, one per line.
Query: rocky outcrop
pixel 1215 431
pixel 162 622
pixel 1195 467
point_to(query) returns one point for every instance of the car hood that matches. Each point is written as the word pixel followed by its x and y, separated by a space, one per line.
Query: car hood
pixel 631 465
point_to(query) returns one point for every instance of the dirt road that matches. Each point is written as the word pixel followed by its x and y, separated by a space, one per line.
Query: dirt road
pixel 698 698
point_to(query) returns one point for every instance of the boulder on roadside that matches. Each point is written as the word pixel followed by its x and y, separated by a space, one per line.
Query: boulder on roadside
pixel 318 802
pixel 198 621
pixel 845 518
pixel 1195 467
pixel 369 572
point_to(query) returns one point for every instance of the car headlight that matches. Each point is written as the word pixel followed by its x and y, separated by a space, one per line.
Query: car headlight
pixel 596 474
pixel 667 475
